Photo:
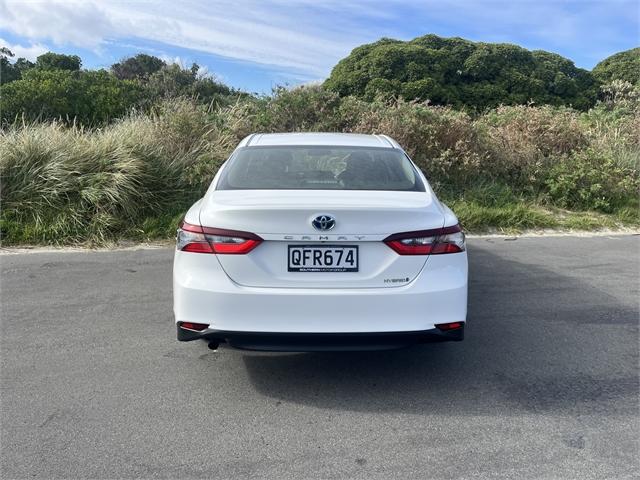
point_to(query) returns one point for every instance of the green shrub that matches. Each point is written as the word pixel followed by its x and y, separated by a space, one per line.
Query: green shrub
pixel 441 140
pixel 86 97
pixel 508 168
pixel 461 73
pixel 305 108
pixel 591 180
pixel 620 66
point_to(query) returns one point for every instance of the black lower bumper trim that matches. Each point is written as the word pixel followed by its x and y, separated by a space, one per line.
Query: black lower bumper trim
pixel 309 342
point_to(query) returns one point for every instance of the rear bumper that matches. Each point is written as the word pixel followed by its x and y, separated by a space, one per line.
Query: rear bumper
pixel 309 342
pixel 204 294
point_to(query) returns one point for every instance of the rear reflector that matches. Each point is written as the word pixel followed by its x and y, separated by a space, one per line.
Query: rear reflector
pixel 232 245
pixel 198 239
pixel 197 247
pixel 198 327
pixel 428 242
pixel 450 326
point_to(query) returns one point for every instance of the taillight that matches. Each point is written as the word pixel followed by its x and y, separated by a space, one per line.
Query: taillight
pixel 197 239
pixel 428 242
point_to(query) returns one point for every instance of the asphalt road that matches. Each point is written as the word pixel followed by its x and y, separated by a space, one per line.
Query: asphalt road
pixel 545 385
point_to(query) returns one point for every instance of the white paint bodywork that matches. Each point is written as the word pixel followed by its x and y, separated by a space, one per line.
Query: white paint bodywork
pixel 256 293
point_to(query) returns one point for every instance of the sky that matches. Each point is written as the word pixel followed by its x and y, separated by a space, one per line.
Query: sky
pixel 256 45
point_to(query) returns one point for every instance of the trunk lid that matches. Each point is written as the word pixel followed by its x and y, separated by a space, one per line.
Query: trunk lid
pixel 283 218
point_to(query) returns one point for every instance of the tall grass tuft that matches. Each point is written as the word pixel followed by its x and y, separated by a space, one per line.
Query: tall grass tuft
pixel 68 184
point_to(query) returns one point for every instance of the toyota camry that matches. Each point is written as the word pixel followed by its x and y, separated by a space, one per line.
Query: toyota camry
pixel 319 241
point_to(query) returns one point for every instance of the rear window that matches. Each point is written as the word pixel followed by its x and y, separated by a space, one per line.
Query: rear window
pixel 319 168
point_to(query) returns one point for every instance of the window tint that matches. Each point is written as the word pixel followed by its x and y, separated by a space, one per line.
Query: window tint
pixel 319 168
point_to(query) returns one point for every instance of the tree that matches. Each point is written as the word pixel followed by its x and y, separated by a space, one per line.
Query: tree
pixel 173 80
pixel 462 73
pixel 139 67
pixel 621 66
pixel 170 81
pixel 7 71
pixel 58 61
pixel 22 65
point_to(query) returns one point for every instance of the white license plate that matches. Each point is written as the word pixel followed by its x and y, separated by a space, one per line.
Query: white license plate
pixel 323 258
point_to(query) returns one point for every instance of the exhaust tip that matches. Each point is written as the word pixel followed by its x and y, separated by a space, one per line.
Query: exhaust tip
pixel 213 345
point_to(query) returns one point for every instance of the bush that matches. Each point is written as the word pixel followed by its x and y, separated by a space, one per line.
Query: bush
pixel 88 97
pixel 58 61
pixel 592 180
pixel 623 66
pixel 54 88
pixel 461 73
pixel 66 183
pixel 523 142
pixel 441 140
pixel 305 108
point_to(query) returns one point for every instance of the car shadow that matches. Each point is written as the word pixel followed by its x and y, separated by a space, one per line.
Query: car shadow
pixel 535 341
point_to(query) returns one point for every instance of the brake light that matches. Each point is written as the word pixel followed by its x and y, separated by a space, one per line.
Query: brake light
pixel 428 242
pixel 197 239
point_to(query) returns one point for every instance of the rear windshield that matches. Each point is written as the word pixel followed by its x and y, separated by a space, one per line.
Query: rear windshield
pixel 319 168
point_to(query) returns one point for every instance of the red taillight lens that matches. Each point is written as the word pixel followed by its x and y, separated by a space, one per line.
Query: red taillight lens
pixel 197 239
pixel 198 327
pixel 449 326
pixel 233 245
pixel 428 242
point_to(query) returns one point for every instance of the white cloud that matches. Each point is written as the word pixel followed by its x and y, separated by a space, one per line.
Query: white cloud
pixel 71 22
pixel 285 35
pixel 30 52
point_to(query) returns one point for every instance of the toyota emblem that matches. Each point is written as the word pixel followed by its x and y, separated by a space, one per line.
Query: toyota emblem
pixel 323 222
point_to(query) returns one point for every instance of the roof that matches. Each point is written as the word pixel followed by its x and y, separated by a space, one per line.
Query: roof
pixel 323 139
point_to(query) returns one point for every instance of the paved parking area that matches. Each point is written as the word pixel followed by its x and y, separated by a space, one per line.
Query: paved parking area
pixel 94 383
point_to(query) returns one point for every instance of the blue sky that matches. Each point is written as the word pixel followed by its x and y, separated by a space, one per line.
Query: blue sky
pixel 255 45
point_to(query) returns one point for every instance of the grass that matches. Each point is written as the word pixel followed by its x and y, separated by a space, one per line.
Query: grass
pixel 495 208
pixel 56 232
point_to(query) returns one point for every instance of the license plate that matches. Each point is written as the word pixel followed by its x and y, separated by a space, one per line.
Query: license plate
pixel 323 258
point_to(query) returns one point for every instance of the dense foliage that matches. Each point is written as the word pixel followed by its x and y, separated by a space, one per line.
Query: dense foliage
pixel 55 87
pixel 623 66
pixel 458 72
pixel 90 97
pixel 139 67
pixel 508 168
pixel 58 61
pixel 102 155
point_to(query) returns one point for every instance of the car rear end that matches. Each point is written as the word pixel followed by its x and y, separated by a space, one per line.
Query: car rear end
pixel 319 265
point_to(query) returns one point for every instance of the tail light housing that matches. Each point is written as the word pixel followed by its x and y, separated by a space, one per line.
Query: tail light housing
pixel 428 242
pixel 198 239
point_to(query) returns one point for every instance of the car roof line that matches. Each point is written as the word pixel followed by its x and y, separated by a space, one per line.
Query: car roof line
pixel 391 143
pixel 291 138
pixel 251 137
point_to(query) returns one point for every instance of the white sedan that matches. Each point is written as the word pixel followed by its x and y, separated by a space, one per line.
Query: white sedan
pixel 319 241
